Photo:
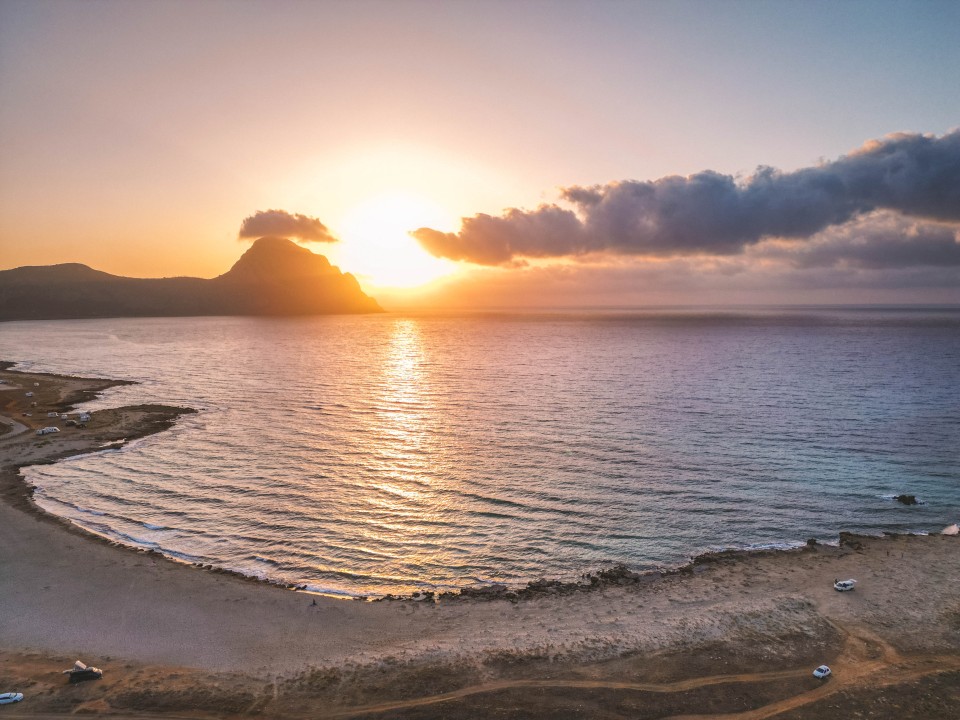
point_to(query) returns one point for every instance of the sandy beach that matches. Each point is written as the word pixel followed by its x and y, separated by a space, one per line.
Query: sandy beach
pixel 734 635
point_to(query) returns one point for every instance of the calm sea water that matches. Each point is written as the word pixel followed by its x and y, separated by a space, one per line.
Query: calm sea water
pixel 387 453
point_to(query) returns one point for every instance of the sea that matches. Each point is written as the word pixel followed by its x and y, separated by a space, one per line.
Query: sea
pixel 391 453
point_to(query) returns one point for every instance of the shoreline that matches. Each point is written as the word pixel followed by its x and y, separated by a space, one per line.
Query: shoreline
pixel 151 419
pixel 70 391
pixel 163 417
pixel 174 640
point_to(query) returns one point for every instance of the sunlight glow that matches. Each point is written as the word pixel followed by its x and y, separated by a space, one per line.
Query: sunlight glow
pixel 376 247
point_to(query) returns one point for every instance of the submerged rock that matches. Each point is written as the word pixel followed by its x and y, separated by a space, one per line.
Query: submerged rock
pixel 907 499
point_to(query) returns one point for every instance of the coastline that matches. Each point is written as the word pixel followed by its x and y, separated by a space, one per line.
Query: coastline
pixel 141 616
pixel 62 393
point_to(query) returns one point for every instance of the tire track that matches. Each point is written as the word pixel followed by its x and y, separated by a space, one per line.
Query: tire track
pixel 866 661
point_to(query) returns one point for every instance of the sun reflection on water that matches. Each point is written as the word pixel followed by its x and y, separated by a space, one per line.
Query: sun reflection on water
pixel 403 369
pixel 408 461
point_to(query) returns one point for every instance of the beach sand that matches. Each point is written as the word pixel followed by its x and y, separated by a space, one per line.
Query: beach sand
pixel 734 635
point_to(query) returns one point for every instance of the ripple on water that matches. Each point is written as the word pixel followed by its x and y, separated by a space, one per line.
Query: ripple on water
pixel 363 455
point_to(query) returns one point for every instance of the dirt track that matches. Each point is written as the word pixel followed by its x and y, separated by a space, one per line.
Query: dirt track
pixel 866 665
pixel 867 661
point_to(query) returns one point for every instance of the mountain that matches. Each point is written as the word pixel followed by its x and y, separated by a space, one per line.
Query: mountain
pixel 273 277
pixel 275 257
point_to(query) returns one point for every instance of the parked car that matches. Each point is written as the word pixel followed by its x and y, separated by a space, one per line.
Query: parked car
pixel 80 672
pixel 821 672
pixel 844 585
pixel 7 698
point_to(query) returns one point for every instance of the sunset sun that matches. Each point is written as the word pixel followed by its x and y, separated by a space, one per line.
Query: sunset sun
pixel 376 245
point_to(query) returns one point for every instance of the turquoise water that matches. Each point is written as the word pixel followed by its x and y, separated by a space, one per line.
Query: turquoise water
pixel 387 453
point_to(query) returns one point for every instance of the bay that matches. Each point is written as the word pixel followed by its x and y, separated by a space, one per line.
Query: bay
pixel 388 453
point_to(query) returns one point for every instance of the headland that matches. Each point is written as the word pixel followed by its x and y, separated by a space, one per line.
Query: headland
pixel 275 276
pixel 735 635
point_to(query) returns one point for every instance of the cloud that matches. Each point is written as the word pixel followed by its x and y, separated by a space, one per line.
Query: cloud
pixel 877 241
pixel 280 223
pixel 714 214
pixel 717 281
pixel 488 240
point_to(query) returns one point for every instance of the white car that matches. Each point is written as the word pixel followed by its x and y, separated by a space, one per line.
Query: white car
pixel 821 672
pixel 48 430
pixel 7 698
pixel 844 585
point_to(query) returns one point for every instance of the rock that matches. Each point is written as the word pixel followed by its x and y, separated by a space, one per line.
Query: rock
pixel 850 540
pixel 617 574
pixel 907 499
pixel 542 584
pixel 485 591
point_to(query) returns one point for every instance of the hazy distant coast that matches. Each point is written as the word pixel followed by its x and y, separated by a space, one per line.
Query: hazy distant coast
pixel 736 634
pixel 273 277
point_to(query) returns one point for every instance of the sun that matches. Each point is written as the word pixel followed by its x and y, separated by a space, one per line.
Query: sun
pixel 376 247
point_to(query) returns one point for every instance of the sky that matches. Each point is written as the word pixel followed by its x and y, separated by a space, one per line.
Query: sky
pixel 490 154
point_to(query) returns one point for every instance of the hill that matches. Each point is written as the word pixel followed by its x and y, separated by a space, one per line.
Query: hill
pixel 273 277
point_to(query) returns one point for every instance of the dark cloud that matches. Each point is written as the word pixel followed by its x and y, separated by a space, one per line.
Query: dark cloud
pixel 875 242
pixel 279 223
pixel 714 280
pixel 714 214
